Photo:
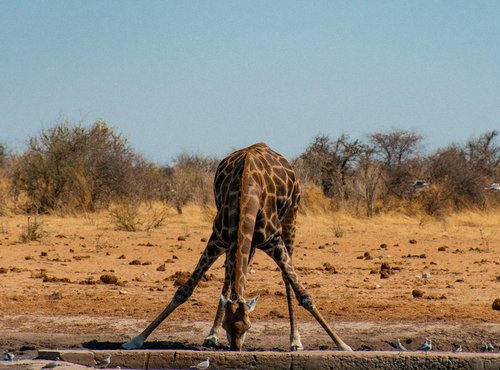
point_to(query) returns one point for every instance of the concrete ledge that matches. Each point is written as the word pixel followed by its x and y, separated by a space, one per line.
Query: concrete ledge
pixel 168 359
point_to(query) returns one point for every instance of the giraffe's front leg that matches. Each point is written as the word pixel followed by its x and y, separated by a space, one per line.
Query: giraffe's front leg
pixel 280 255
pixel 134 343
pixel 212 340
pixel 213 251
pixel 295 342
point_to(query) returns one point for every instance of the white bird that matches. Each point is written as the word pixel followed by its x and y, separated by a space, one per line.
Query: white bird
pixel 202 365
pixel 399 346
pixel 488 347
pixel 458 349
pixel 9 356
pixel 104 363
pixel 426 346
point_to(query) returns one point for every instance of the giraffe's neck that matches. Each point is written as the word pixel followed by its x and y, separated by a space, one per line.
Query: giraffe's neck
pixel 248 208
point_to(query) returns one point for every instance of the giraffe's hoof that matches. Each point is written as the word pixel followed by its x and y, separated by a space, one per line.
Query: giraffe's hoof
pixel 134 343
pixel 345 347
pixel 296 347
pixel 296 343
pixel 211 341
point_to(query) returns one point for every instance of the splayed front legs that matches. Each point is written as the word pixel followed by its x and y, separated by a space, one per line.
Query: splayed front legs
pixel 280 255
pixel 211 253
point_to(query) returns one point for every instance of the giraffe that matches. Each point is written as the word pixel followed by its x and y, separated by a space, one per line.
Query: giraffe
pixel 257 197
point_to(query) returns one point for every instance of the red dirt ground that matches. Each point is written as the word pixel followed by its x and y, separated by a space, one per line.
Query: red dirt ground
pixel 49 297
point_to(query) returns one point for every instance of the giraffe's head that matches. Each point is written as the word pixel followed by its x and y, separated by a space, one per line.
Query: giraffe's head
pixel 236 320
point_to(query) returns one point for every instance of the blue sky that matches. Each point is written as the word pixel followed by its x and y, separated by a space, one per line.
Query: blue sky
pixel 207 77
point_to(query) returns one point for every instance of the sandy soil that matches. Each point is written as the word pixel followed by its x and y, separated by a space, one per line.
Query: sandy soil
pixel 51 295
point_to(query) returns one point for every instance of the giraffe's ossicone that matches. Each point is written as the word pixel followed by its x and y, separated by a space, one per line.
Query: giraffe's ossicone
pixel 257 197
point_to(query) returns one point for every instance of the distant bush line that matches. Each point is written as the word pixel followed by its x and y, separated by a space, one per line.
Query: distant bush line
pixel 70 168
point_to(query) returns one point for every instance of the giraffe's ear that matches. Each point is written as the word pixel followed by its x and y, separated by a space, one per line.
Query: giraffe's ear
pixel 224 301
pixel 252 303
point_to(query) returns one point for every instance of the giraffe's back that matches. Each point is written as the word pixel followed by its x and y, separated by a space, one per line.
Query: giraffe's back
pixel 273 185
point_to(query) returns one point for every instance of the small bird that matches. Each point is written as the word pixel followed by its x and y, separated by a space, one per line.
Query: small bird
pixel 51 365
pixel 104 363
pixel 426 346
pixel 202 365
pixel 400 347
pixel 9 356
pixel 487 347
pixel 458 349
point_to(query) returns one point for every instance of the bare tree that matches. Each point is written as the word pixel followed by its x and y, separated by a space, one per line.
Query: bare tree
pixel 191 180
pixel 397 150
pixel 367 180
pixel 457 181
pixel 395 146
pixel 484 153
pixel 329 162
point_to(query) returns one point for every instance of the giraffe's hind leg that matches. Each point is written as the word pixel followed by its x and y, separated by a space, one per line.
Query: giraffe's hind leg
pixel 212 340
pixel 211 253
pixel 277 251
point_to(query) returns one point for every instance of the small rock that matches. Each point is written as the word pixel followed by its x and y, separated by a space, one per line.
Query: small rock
pixel 383 246
pixel 329 267
pixel 43 254
pixel 122 257
pixel 367 256
pixel 203 240
pixel 109 279
pixel 135 263
pixel 417 293
pixel 181 238
pixel 161 268
pixel 426 275
pixel 443 248
pixel 496 304
pixel 3 270
pixel 122 292
pixel 55 296
pixel 384 274
pixel 412 241
pixel 385 266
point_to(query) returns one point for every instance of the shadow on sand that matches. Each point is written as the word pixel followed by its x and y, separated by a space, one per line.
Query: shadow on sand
pixel 97 345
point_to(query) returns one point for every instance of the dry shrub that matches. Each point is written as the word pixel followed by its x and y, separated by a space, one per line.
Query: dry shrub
pixel 191 180
pixel 4 190
pixel 134 217
pixel 313 201
pixel 74 168
pixel 33 230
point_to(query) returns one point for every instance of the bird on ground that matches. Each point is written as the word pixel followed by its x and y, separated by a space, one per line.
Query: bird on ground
pixel 104 363
pixel 202 365
pixel 51 365
pixel 9 356
pixel 487 347
pixel 458 349
pixel 426 346
pixel 399 346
